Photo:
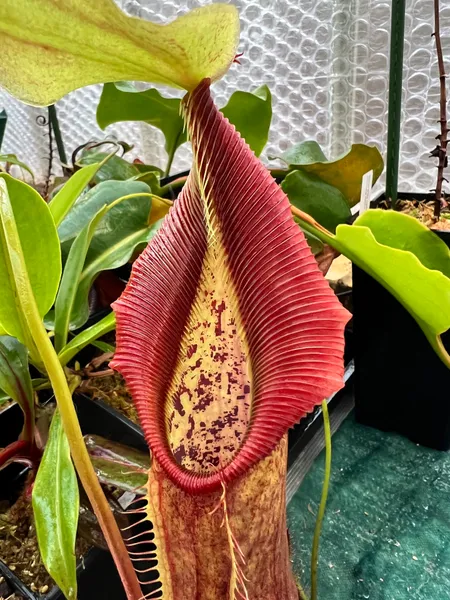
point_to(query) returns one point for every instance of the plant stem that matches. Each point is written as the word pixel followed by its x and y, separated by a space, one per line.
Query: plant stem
pixel 395 99
pixel 323 501
pixel 441 149
pixel 18 448
pixel 63 396
pixel 171 156
pixel 3 121
pixel 176 184
pixel 81 458
pixel 53 118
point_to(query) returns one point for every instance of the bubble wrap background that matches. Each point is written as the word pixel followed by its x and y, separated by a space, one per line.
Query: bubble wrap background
pixel 326 63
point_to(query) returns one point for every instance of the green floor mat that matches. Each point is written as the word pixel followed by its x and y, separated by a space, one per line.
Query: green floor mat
pixel 386 533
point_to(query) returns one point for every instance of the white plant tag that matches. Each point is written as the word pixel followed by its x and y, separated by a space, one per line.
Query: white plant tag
pixel 366 188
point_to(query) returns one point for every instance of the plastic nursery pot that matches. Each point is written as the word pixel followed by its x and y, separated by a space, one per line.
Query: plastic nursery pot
pixel 96 573
pixel 400 383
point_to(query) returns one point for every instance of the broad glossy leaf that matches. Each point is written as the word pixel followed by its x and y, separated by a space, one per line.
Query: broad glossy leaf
pixel 116 168
pixel 144 169
pixel 251 114
pixel 15 380
pixel 117 465
pixel 412 275
pixel 230 295
pixel 304 153
pixel 123 229
pixel 86 337
pixel 63 201
pixel 152 179
pixel 51 47
pixel 70 278
pixel 344 173
pixel 13 160
pixel 322 201
pixel 391 228
pixel 40 248
pixel 56 505
pixel 87 205
pixel 148 106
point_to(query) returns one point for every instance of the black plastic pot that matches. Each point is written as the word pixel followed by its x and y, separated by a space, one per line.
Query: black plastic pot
pixel 97 575
pixel 400 383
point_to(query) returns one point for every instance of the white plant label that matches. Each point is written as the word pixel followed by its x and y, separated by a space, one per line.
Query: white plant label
pixel 366 188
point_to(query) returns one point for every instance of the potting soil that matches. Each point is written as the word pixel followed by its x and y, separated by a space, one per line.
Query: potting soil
pixel 386 533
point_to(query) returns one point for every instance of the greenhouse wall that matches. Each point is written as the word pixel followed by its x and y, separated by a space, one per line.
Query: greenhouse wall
pixel 326 64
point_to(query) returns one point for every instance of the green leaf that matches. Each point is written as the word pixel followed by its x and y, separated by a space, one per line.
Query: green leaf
pixel 22 208
pixel 344 173
pixel 87 205
pixel 116 168
pixel 63 201
pixel 152 179
pixel 56 504
pixel 414 276
pixel 123 229
pixel 86 337
pixel 71 275
pixel 390 228
pixel 144 169
pixel 13 160
pixel 15 380
pixel 148 106
pixel 126 86
pixel 104 346
pixel 322 201
pixel 251 114
pixel 304 153
pixel 117 465
pixel 51 48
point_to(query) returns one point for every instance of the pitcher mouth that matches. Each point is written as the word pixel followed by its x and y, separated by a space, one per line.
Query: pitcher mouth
pixel 228 334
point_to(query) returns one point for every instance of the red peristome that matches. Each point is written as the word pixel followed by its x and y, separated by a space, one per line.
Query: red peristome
pixel 292 321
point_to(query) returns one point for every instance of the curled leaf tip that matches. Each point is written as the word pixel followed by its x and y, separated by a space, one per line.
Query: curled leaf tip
pixel 227 332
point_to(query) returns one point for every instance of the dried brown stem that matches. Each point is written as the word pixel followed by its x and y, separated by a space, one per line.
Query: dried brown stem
pixel 441 149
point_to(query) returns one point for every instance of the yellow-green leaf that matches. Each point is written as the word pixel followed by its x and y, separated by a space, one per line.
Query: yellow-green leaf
pixel 23 210
pixel 55 505
pixel 63 201
pixel 86 337
pixel 51 47
pixel 405 257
